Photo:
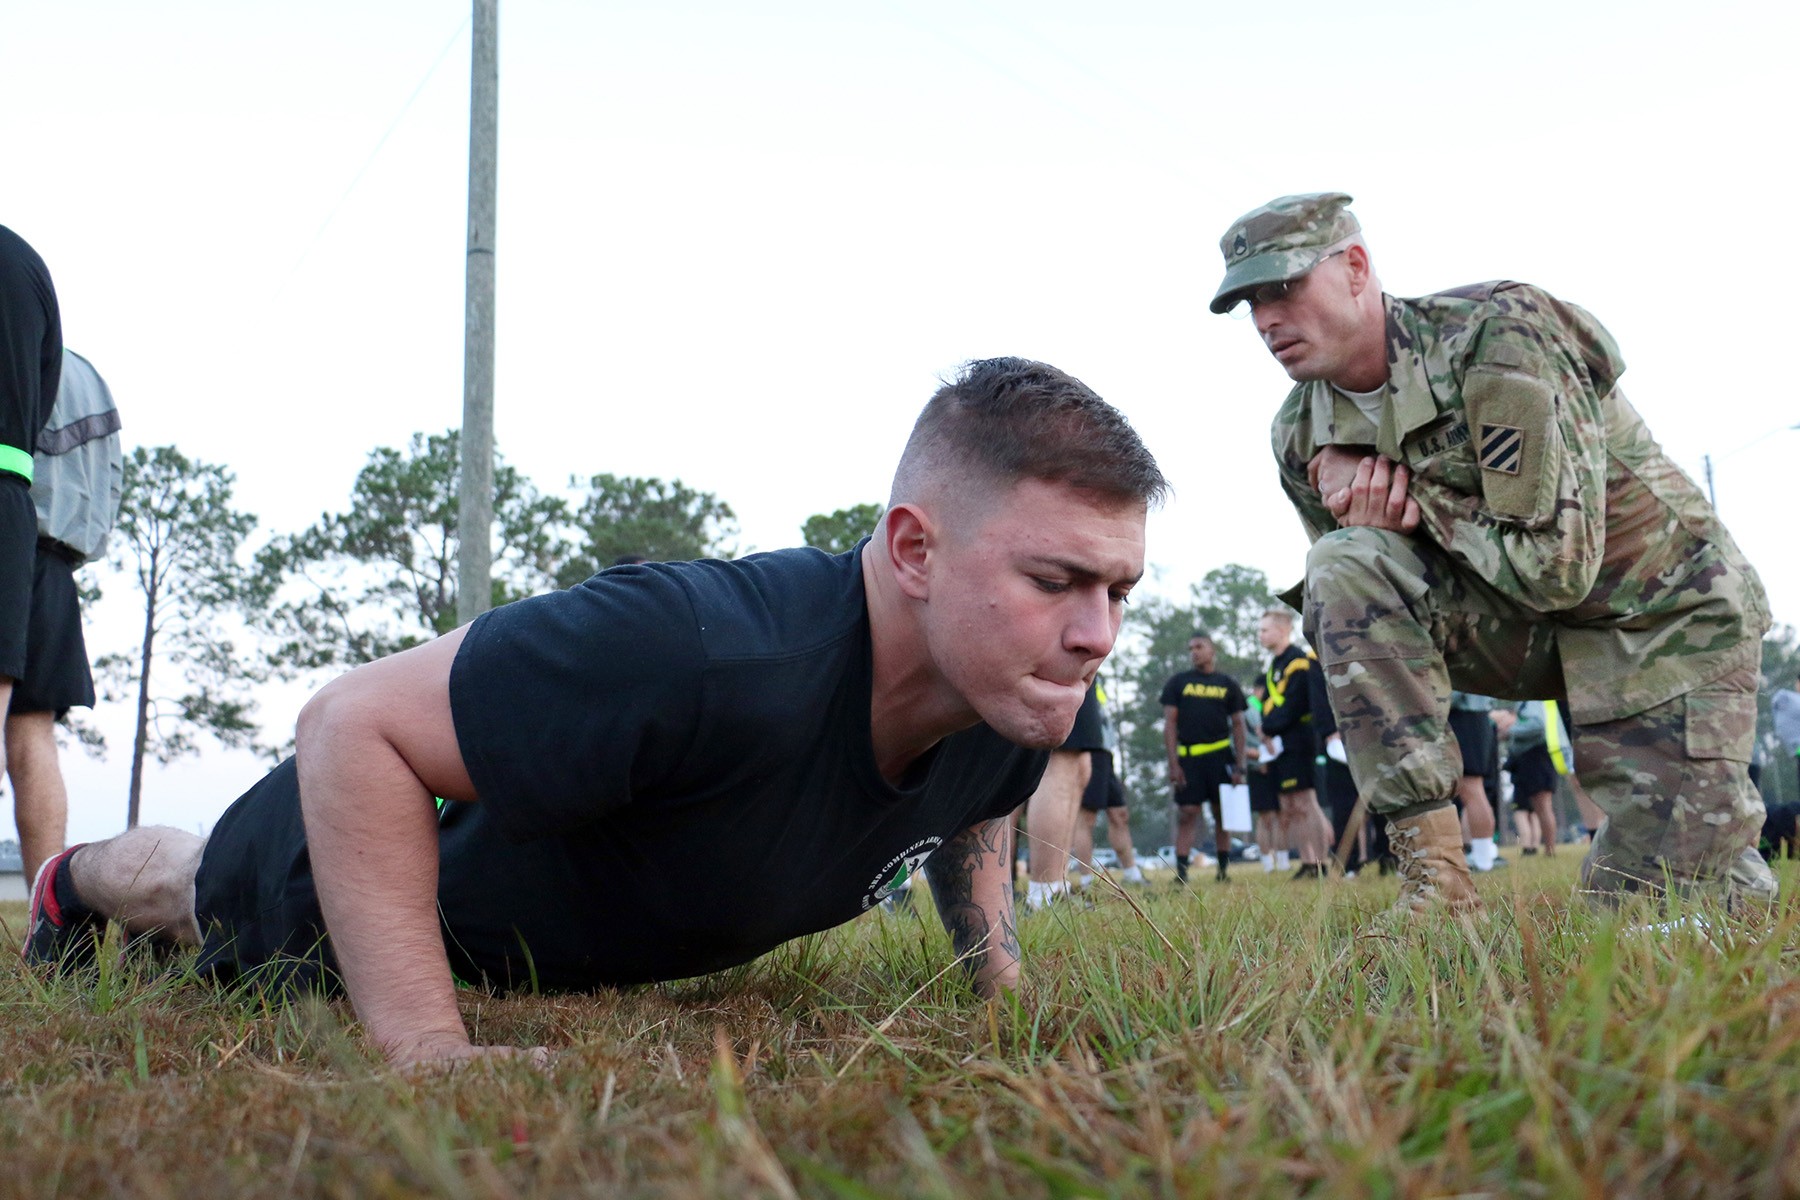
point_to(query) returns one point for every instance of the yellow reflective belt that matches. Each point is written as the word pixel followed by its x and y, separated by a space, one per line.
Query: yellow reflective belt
pixel 15 460
pixel 1553 738
pixel 1199 748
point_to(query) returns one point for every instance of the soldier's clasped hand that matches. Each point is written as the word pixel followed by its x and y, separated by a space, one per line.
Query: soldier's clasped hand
pixel 1376 497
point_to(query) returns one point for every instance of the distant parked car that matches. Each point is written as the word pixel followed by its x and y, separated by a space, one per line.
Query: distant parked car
pixel 1243 851
pixel 1103 857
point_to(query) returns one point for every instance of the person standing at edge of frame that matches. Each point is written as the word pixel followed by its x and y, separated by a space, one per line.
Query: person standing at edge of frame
pixel 31 360
pixel 79 473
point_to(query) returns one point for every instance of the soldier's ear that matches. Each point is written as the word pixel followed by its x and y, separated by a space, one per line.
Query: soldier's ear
pixel 909 542
pixel 1356 261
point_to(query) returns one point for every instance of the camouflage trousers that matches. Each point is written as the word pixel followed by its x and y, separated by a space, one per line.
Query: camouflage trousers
pixel 1396 623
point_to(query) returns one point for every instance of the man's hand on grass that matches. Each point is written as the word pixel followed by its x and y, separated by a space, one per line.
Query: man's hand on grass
pixel 449 1051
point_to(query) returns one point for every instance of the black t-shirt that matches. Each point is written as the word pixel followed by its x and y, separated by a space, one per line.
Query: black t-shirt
pixel 1089 730
pixel 30 366
pixel 1290 698
pixel 31 352
pixel 675 762
pixel 1204 702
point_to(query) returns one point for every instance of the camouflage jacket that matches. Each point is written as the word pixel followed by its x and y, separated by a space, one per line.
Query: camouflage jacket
pixel 1532 470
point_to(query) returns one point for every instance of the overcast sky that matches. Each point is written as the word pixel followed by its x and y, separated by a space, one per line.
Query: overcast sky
pixel 739 244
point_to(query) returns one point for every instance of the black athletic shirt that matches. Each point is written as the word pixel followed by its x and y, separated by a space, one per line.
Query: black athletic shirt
pixel 30 366
pixel 1204 702
pixel 31 352
pixel 1290 698
pixel 676 774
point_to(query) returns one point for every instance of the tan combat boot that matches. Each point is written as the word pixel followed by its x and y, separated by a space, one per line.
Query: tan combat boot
pixel 1433 870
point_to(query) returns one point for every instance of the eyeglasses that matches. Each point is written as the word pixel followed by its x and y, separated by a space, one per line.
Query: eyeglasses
pixel 1270 293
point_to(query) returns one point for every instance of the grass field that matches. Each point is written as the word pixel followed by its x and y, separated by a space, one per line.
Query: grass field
pixel 1260 1039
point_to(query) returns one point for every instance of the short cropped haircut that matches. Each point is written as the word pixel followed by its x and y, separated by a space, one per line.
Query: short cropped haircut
pixel 1281 613
pixel 1005 420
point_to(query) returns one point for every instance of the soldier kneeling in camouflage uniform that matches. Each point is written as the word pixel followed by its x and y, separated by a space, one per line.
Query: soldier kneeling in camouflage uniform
pixel 1488 512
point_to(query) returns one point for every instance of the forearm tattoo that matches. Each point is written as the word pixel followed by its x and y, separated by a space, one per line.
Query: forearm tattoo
pixel 982 935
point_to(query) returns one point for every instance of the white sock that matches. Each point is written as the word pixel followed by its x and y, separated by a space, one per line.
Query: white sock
pixel 1268 862
pixel 1039 894
pixel 1281 860
pixel 1084 881
pixel 1134 875
pixel 1482 852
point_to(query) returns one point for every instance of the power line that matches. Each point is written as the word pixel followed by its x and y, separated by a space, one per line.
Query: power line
pixel 373 155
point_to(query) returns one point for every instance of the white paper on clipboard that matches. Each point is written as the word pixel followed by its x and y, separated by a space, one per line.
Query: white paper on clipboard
pixel 1234 807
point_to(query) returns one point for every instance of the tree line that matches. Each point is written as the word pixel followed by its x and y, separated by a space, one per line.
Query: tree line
pixel 357 584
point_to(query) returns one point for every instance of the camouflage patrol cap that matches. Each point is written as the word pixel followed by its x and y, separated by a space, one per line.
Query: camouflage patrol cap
pixel 1284 239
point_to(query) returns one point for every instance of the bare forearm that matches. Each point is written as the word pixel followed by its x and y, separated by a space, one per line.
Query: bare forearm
pixel 371 831
pixel 1171 744
pixel 971 881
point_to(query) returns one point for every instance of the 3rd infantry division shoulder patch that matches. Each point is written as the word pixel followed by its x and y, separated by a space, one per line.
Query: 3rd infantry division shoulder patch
pixel 1500 448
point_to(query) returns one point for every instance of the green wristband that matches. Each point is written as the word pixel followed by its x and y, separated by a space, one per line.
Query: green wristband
pixel 15 460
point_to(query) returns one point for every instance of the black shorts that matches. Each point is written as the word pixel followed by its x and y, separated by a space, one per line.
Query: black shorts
pixel 1532 772
pixel 57 676
pixel 261 925
pixel 18 545
pixel 1337 791
pixel 1265 797
pixel 1475 734
pixel 1206 774
pixel 1293 771
pixel 1103 788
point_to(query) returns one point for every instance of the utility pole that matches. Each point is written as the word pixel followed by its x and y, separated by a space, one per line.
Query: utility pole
pixel 1707 460
pixel 475 517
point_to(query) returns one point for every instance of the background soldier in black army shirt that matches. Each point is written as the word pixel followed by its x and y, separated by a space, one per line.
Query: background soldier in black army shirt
pixel 1203 731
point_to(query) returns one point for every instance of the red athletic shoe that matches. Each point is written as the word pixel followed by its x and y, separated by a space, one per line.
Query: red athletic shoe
pixel 64 933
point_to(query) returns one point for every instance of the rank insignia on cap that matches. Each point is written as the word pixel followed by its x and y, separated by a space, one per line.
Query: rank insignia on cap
pixel 1240 246
pixel 1501 448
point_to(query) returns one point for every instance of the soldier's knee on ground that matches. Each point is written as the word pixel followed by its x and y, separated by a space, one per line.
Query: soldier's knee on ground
pixel 1680 810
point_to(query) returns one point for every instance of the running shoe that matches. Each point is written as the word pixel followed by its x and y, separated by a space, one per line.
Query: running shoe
pixel 63 933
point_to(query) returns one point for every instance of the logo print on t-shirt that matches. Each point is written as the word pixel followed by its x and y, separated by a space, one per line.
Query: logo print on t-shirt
pixel 887 881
